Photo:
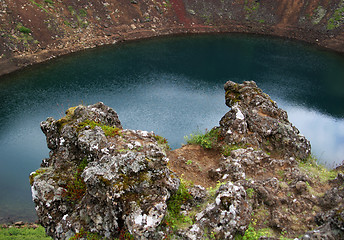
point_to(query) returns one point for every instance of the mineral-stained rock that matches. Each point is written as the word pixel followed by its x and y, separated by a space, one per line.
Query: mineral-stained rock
pixel 101 178
pixel 254 119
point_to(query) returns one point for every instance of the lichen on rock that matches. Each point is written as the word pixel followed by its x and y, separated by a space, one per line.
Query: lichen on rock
pixel 254 119
pixel 105 180
pixel 99 183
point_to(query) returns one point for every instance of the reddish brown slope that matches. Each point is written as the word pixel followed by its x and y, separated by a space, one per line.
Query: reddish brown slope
pixel 58 27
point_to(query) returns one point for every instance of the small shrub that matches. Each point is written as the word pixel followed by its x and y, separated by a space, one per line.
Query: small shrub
pixel 207 140
pixel 162 142
pixel 23 29
pixel 174 218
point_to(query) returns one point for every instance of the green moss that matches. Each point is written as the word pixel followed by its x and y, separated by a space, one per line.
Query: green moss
pixel 35 174
pixel 23 233
pixel 207 140
pixel 233 95
pixel 66 119
pixel 227 149
pixel 109 131
pixel 174 218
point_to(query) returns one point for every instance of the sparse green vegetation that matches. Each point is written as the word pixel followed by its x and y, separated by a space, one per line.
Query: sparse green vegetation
pixel 227 149
pixel 25 233
pixel 23 29
pixel 189 162
pixel 76 187
pixel 37 173
pixel 40 6
pixel 316 170
pixel 254 234
pixel 49 1
pixel 82 13
pixel 86 235
pixel 207 140
pixel 212 190
pixel 251 8
pixel 250 192
pixel 79 17
pixel 109 131
pixel 162 142
pixel 174 218
pixel 337 18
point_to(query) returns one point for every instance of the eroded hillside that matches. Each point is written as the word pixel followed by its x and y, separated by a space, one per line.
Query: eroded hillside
pixel 36 30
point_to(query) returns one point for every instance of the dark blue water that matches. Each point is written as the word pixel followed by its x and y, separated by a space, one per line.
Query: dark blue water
pixel 172 86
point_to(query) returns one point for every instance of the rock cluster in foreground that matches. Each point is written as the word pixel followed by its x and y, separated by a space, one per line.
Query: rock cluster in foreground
pixel 112 182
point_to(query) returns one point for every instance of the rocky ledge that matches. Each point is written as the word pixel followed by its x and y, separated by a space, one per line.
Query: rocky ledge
pixel 103 181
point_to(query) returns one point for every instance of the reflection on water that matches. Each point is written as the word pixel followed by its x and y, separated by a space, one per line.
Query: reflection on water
pixel 171 86
pixel 325 132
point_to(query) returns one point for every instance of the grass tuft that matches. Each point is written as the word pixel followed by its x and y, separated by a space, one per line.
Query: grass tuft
pixel 23 233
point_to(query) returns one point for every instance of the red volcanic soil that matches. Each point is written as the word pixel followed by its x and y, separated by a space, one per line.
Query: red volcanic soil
pixel 36 31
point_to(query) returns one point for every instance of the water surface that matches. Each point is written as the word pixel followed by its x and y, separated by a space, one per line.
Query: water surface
pixel 172 86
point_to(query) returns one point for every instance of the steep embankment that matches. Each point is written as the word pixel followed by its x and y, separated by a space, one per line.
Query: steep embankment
pixel 36 30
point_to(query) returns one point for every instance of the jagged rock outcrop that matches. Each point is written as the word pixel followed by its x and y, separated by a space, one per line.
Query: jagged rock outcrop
pixel 255 120
pixel 227 216
pixel 101 178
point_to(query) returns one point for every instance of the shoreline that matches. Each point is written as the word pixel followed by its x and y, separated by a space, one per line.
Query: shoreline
pixel 24 60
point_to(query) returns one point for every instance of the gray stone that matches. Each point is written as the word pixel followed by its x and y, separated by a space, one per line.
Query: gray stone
pixel 255 120
pixel 101 183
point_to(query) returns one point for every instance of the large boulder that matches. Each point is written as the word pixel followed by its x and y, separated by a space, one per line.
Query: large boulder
pixel 101 178
pixel 255 120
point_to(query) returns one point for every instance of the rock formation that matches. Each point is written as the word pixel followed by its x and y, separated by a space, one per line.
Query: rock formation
pixel 255 120
pixel 101 178
pixel 112 182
